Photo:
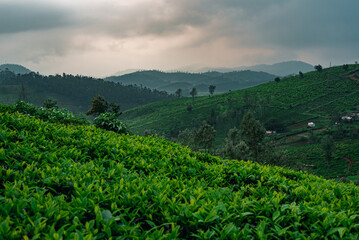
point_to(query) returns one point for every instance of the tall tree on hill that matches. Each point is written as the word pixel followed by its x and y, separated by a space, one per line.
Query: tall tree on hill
pixel 211 89
pixel 205 136
pixel 318 67
pixel 193 93
pixel 100 105
pixel 252 133
pixel 234 147
pixel 301 75
pixel 178 93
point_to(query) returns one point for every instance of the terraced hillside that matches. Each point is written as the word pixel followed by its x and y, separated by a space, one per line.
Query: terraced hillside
pixel 79 182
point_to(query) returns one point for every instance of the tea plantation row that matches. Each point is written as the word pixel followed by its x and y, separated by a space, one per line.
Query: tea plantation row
pixel 80 182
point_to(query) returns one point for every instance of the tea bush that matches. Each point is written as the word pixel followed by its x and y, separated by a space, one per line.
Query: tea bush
pixel 109 121
pixel 49 114
pixel 79 182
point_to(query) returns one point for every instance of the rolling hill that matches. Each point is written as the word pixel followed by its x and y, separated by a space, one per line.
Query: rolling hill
pixel 171 81
pixel 78 182
pixel 322 97
pixel 292 100
pixel 72 92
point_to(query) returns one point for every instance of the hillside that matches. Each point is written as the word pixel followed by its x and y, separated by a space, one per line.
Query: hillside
pixel 170 82
pixel 292 100
pixel 78 182
pixel 72 92
pixel 323 97
pixel 15 68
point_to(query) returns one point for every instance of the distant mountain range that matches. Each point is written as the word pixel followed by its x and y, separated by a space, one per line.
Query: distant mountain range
pixel 224 79
pixel 279 69
pixel 171 81
pixel 15 68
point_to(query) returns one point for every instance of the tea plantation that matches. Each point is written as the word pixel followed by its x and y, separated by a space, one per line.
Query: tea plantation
pixel 70 181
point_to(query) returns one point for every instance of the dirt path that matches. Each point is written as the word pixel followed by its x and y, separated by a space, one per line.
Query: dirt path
pixel 353 76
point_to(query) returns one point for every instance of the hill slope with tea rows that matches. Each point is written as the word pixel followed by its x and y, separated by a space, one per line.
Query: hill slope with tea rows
pixel 79 182
pixel 292 100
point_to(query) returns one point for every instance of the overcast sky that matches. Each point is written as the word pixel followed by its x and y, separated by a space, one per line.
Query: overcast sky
pixel 101 37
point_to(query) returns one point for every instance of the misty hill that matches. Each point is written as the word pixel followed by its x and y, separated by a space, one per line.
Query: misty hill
pixel 15 68
pixel 279 69
pixel 171 81
pixel 72 92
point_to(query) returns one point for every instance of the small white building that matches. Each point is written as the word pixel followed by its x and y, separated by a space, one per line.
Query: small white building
pixel 311 124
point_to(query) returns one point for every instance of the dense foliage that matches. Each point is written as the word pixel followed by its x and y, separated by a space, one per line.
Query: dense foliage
pixel 72 92
pixel 79 182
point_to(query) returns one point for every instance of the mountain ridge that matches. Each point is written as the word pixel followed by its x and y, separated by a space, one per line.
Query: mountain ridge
pixel 279 69
pixel 171 81
pixel 15 68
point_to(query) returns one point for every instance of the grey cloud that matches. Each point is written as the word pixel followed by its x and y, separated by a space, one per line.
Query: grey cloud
pixel 19 17
pixel 307 23
pixel 286 27
pixel 166 18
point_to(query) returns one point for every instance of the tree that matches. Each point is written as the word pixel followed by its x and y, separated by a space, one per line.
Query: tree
pixel 252 133
pixel 179 93
pixel 193 93
pixel 345 67
pixel 328 147
pixel 205 136
pixel 100 105
pixel 211 89
pixel 50 103
pixel 277 79
pixel 234 148
pixel 318 67
pixel 301 75
pixel 187 137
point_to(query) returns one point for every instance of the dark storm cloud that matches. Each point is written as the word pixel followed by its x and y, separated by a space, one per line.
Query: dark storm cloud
pixel 26 16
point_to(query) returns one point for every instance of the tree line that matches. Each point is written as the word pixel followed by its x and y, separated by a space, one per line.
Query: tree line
pixel 76 92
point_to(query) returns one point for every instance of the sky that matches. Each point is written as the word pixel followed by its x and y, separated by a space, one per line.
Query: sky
pixel 101 37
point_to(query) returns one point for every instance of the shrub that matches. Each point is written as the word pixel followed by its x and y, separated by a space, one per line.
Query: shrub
pixel 60 116
pixel 109 121
pixel 50 103
pixel 25 108
pixel 274 124
pixel 53 115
